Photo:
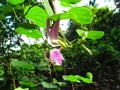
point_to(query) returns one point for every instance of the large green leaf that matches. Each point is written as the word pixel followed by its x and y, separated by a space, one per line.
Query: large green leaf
pixel 71 78
pixel 81 15
pixel 21 64
pixel 95 34
pixel 37 15
pixel 28 83
pixel 90 34
pixel 29 30
pixel 14 2
pixel 19 88
pixel 76 78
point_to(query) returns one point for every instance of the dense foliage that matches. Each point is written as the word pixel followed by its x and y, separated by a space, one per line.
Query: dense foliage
pixel 105 61
pixel 90 63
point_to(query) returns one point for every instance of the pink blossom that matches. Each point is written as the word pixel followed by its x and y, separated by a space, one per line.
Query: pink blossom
pixel 56 56
pixel 52 33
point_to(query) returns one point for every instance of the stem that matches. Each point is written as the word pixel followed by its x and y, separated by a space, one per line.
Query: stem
pixel 53 6
pixel 47 7
pixel 3 63
pixel 11 73
pixel 50 71
pixel 15 14
pixel 3 24
pixel 73 88
pixel 48 60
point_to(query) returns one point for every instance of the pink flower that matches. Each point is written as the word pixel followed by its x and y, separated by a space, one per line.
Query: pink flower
pixel 52 33
pixel 56 56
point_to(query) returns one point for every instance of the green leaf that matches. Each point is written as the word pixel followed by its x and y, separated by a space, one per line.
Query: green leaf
pixel 90 34
pixel 87 49
pixel 76 78
pixel 29 30
pixel 14 2
pixel 21 64
pixel 6 8
pixel 55 81
pixel 48 85
pixel 85 80
pixel 19 88
pixel 71 1
pixel 71 78
pixel 28 83
pixel 37 15
pixel 90 75
pixel 2 79
pixel 2 16
pixel 65 77
pixel 95 34
pixel 64 4
pixel 81 33
pixel 81 15
pixel 67 3
pixel 1 31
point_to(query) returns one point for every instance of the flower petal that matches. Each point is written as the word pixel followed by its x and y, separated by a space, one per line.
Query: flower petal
pixel 56 56
pixel 52 33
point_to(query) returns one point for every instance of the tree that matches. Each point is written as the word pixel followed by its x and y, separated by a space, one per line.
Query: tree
pixel 117 2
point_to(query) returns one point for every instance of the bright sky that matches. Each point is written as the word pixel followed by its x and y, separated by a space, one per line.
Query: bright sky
pixel 101 3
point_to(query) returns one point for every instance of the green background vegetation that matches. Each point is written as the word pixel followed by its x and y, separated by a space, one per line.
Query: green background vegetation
pixel 92 62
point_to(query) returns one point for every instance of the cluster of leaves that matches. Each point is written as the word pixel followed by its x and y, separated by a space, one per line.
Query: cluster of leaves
pixel 25 67
pixel 105 61
pixel 31 70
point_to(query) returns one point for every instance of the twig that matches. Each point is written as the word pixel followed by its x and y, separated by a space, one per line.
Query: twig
pixel 11 72
pixel 15 14
pixel 3 24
